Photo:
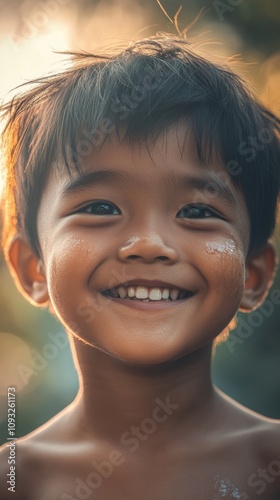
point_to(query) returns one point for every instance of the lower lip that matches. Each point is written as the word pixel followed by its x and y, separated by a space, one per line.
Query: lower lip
pixel 149 306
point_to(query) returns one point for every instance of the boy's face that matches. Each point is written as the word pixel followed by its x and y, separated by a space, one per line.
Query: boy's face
pixel 155 219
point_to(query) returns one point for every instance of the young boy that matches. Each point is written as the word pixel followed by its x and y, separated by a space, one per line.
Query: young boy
pixel 137 209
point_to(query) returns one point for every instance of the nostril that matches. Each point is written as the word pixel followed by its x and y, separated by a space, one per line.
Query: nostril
pixel 151 248
pixel 159 257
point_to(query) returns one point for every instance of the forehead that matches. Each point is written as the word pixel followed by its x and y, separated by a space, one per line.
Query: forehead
pixel 169 153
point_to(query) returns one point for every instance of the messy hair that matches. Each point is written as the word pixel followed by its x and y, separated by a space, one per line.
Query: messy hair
pixel 138 93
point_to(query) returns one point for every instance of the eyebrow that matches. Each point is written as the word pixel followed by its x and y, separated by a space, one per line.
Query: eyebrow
pixel 93 178
pixel 101 177
pixel 217 186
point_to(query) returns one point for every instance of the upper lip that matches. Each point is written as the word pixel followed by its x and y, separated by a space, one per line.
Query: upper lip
pixel 148 284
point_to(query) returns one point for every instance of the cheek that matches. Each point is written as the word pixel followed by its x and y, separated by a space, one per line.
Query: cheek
pixel 71 264
pixel 220 261
pixel 226 263
pixel 66 262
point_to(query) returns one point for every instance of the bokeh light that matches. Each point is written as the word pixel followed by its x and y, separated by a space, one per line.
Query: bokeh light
pixel 15 361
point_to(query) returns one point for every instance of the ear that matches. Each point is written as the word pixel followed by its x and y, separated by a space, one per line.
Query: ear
pixel 28 271
pixel 260 272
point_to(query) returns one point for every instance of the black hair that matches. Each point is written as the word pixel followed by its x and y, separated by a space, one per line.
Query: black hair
pixel 137 93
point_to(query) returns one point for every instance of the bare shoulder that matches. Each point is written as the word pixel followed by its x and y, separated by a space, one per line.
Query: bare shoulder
pixel 13 470
pixel 26 462
pixel 265 478
pixel 268 437
pixel 263 431
pixel 257 438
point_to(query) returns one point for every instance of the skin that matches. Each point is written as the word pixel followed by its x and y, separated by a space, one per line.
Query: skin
pixel 146 363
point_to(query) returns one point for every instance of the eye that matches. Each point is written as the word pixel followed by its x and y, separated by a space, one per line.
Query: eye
pixel 100 208
pixel 197 212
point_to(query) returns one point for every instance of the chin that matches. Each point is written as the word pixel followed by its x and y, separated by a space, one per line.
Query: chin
pixel 149 356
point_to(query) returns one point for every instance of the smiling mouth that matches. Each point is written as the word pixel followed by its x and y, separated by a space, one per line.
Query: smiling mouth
pixel 148 294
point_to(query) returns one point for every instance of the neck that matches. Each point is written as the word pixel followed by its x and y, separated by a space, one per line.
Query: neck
pixel 116 396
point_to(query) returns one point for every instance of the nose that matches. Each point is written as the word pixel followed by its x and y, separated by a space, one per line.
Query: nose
pixel 148 248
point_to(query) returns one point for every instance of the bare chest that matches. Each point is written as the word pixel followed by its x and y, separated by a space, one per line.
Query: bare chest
pixel 204 478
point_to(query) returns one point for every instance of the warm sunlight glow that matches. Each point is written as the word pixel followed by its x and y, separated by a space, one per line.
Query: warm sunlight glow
pixel 27 59
pixel 16 369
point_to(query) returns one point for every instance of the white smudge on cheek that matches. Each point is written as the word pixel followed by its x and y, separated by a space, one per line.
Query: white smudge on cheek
pixel 229 261
pixel 228 247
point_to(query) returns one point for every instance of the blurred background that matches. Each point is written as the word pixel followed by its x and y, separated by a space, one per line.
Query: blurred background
pixel 34 352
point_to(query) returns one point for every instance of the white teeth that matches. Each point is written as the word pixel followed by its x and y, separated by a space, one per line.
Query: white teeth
pixel 155 294
pixel 122 292
pixel 144 293
pixel 131 291
pixel 174 294
pixel 141 293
